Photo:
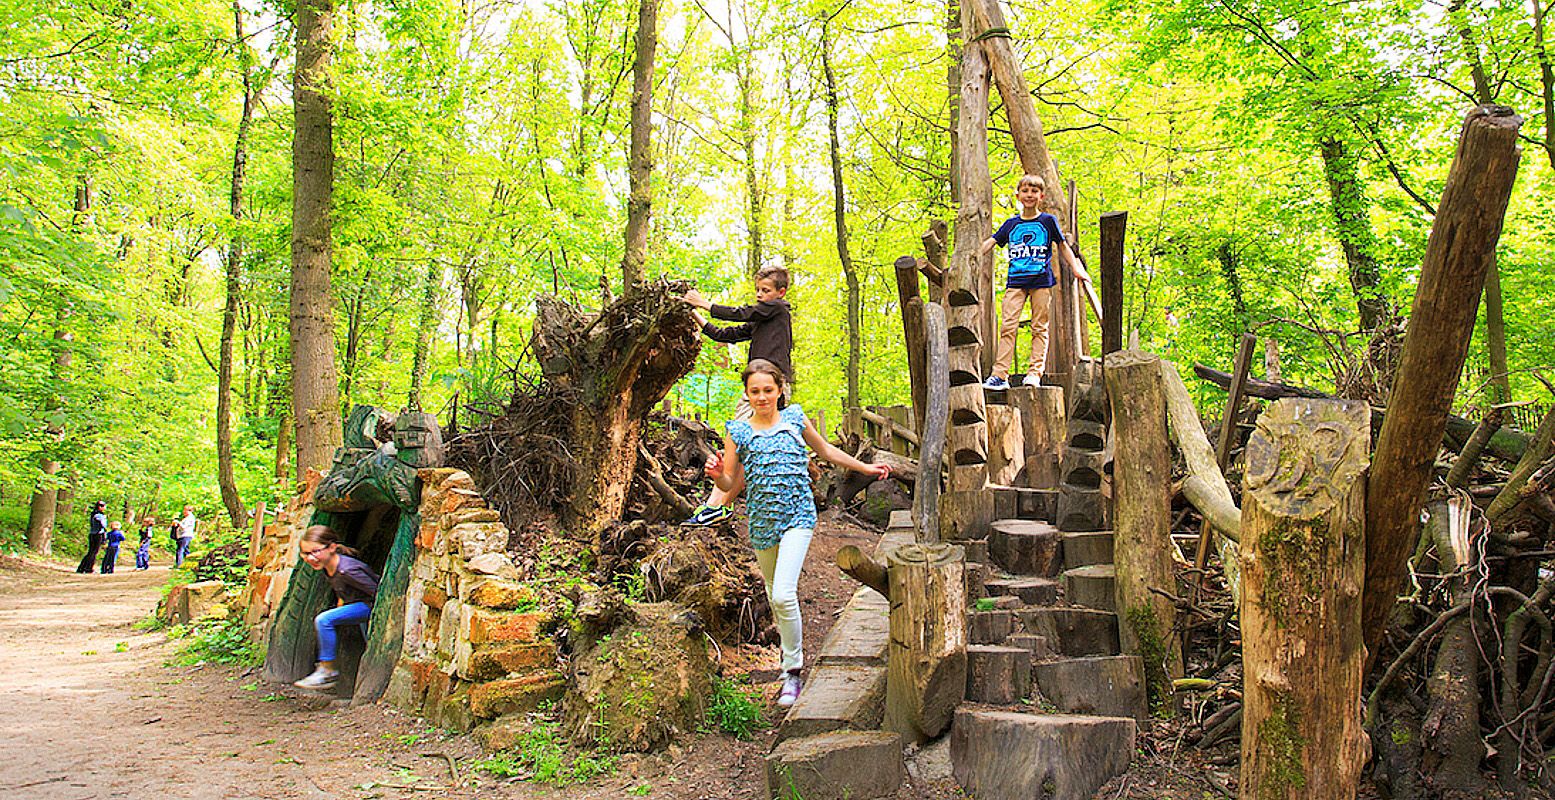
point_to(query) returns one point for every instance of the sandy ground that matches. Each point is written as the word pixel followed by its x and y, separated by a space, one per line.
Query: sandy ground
pixel 91 708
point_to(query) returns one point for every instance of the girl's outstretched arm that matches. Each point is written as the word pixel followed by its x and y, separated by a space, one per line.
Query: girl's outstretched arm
pixel 838 456
pixel 725 468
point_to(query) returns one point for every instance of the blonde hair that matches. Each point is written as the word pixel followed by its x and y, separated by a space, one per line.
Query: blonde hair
pixel 1031 180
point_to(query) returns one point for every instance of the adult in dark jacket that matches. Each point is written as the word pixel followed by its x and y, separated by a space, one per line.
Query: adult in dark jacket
pixel 96 532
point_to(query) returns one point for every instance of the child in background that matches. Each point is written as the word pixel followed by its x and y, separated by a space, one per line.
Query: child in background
pixel 768 326
pixel 143 553
pixel 767 453
pixel 111 549
pixel 356 587
pixel 1034 240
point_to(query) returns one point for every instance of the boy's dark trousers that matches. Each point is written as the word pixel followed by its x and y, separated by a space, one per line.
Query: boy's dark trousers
pixel 88 561
pixel 110 558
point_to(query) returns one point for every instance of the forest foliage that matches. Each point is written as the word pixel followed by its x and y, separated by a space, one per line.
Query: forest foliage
pixel 483 146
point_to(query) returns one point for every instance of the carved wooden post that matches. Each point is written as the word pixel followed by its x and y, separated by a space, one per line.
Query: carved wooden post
pixel 1142 518
pixel 936 419
pixel 926 662
pixel 912 330
pixel 1303 506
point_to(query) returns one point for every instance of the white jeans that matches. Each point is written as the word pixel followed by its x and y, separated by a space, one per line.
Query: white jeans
pixel 780 568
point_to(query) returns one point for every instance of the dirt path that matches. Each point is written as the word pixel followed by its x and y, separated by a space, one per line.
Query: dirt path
pixel 92 709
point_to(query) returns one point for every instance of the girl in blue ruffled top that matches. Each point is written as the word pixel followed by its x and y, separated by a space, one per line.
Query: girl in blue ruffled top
pixel 768 452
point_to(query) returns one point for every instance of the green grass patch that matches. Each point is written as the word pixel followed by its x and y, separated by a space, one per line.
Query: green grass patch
pixel 735 708
pixel 221 641
pixel 543 756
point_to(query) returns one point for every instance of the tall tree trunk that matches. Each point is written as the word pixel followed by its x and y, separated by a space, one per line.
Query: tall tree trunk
pixel 44 506
pixel 426 325
pixel 1352 227
pixel 315 388
pixel 953 93
pixel 639 203
pixel 225 476
pixel 1546 82
pixel 753 193
pixel 839 210
pixel 1495 337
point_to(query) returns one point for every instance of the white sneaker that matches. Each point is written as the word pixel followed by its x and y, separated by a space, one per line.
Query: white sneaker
pixel 1032 380
pixel 792 684
pixel 320 679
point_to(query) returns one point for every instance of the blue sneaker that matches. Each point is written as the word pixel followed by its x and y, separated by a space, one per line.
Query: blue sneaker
pixel 996 382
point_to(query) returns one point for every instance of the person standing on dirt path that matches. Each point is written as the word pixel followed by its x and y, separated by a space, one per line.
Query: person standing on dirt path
pixel 96 532
pixel 186 528
pixel 355 585
pixel 114 539
pixel 143 553
pixel 767 453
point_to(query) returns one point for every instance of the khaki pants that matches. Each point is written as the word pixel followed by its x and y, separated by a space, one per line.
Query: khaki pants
pixel 1010 308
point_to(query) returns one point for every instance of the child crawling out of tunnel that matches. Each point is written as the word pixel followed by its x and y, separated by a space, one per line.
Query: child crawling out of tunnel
pixel 355 585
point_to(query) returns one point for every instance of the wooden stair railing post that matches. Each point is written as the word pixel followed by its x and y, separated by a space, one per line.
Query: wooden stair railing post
pixel 1303 508
pixel 1142 518
pixel 926 659
pixel 1206 486
pixel 936 418
pixel 1240 367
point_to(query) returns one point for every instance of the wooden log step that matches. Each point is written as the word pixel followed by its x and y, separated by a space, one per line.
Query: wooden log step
pixel 1083 468
pixel 1024 547
pixel 966 403
pixel 996 397
pixel 1082 549
pixel 833 766
pixel 1089 404
pixel 1031 591
pixel 976 575
pixel 976 550
pixel 901 519
pixel 1060 756
pixel 1019 502
pixel 1087 435
pixel 965 515
pixel 1091 587
pixel 1110 686
pixel 1074 631
pixel 1081 509
pixel 837 697
pixel 997 674
pixel 861 633
pixel 1038 645
pixel 990 627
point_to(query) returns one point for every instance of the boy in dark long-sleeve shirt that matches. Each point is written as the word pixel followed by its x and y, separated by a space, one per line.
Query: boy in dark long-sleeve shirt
pixel 768 326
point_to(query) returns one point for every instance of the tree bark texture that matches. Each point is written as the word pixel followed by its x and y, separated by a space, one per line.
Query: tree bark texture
pixel 911 305
pixel 1460 250
pixel 1495 336
pixel 315 386
pixel 953 45
pixel 1303 506
pixel 620 363
pixel 1539 448
pixel 1044 423
pixel 1142 518
pixel 426 326
pixel 968 303
pixel 225 477
pixel 1114 226
pixel 1452 745
pixel 840 218
pixel 639 203
pixel 926 659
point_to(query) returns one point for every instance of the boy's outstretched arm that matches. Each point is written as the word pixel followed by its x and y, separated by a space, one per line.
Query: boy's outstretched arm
pixel 840 457
pixel 1073 264
pixel 988 244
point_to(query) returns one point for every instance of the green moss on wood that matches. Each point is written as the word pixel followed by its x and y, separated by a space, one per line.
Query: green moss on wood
pixel 1145 624
pixel 1279 737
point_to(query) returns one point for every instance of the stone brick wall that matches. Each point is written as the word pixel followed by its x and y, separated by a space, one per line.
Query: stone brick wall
pixel 474 644
pixel 273 556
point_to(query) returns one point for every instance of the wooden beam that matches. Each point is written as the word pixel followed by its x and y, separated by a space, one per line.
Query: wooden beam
pixel 1114 226
pixel 864 569
pixel 936 418
pixel 1215 501
pixel 911 305
pixel 1460 250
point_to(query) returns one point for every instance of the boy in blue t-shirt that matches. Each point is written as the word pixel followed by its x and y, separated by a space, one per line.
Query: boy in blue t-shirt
pixel 1032 238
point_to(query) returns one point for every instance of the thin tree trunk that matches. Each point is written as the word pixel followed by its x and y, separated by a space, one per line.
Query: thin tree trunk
pixel 315 385
pixel 1546 82
pixel 640 167
pixel 44 506
pixel 754 198
pixel 1352 227
pixel 840 214
pixel 426 325
pixel 225 476
pixel 1495 337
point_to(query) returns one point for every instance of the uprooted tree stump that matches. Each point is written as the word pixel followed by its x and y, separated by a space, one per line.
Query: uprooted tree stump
pixel 618 364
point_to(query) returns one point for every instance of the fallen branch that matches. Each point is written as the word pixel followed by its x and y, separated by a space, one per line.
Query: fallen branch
pixel 864 569
pixel 655 477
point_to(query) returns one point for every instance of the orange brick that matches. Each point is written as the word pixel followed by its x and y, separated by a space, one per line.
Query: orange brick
pixel 434 597
pixel 502 594
pixel 461 498
pixel 502 626
pixel 499 661
pixel 515 695
pixel 426 535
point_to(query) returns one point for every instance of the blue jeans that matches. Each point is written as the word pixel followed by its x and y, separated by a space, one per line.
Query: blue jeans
pixel 110 558
pixel 183 550
pixel 327 621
